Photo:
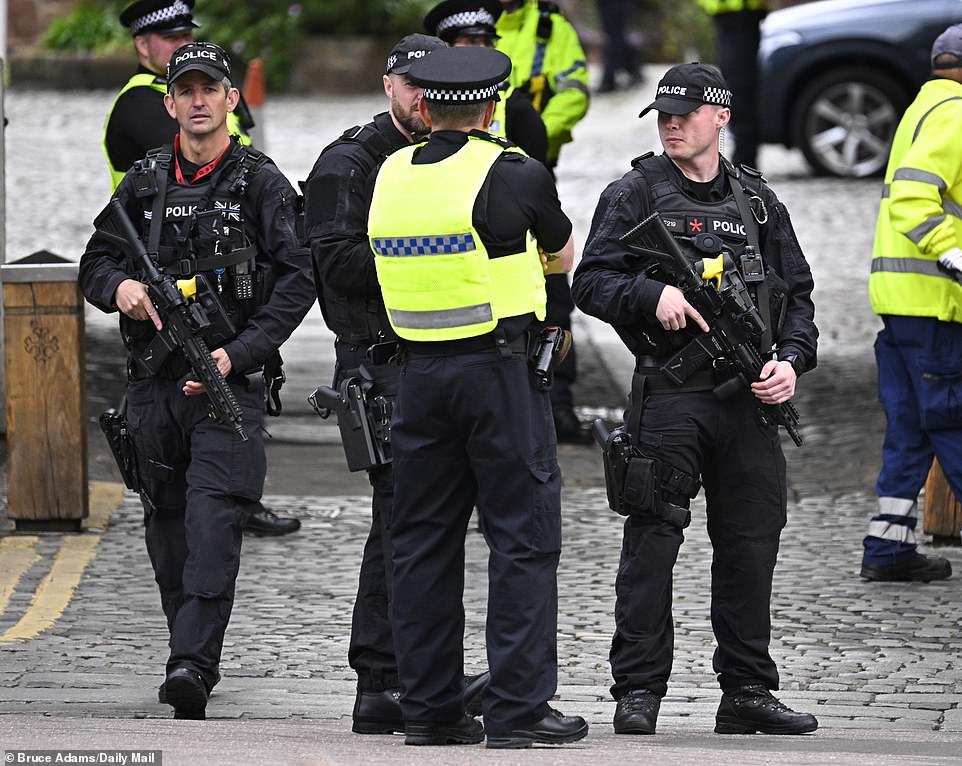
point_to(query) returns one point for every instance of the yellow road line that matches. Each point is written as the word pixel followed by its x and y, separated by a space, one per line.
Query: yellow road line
pixel 55 591
pixel 17 555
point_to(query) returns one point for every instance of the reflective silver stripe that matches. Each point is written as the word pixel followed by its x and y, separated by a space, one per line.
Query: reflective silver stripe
pixel 888 531
pixel 442 318
pixel 886 190
pixel 918 233
pixel 922 176
pixel 897 506
pixel 907 266
pixel 952 208
pixel 562 85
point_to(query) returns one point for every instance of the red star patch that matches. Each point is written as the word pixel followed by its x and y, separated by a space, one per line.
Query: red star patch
pixel 696 225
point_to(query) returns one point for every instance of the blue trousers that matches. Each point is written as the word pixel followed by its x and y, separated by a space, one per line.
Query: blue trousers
pixel 473 429
pixel 920 387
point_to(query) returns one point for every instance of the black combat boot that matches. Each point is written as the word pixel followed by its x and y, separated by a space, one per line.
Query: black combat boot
pixel 753 708
pixel 915 568
pixel 266 523
pixel 637 712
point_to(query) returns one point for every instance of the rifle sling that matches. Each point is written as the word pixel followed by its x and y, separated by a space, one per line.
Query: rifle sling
pixel 762 298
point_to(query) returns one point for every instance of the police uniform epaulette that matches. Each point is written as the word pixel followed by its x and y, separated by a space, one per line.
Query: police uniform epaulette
pixel 370 139
pixel 636 162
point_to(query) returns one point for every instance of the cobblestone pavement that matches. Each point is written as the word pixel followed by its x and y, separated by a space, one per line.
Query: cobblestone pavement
pixel 879 664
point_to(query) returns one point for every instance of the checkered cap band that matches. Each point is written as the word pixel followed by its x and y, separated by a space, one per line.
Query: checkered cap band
pixel 474 96
pixel 177 8
pixel 466 19
pixel 433 245
pixel 720 96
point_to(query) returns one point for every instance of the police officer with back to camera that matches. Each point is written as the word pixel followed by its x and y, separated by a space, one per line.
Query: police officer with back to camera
pixel 459 227
pixel 472 22
pixel 138 122
pixel 220 217
pixel 549 65
pixel 684 435
pixel 337 197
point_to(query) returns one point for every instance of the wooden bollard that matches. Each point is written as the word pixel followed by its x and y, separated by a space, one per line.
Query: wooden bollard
pixel 943 511
pixel 45 393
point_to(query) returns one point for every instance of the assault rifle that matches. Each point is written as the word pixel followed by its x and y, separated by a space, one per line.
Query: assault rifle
pixel 182 319
pixel 716 289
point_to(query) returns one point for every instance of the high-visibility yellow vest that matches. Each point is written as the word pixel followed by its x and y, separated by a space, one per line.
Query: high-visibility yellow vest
pixel 714 7
pixel 436 278
pixel 152 81
pixel 920 216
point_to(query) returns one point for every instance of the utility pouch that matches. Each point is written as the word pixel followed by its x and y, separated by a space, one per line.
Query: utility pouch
pixel 639 492
pixel 114 426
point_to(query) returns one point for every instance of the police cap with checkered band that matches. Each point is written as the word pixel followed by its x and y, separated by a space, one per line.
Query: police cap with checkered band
pixel 686 87
pixel 453 18
pixel 159 16
pixel 461 75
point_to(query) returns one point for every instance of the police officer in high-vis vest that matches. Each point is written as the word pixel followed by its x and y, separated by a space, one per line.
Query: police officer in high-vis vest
pixel 138 121
pixel 472 22
pixel 704 430
pixel 204 206
pixel 916 288
pixel 737 37
pixel 463 228
pixel 337 195
pixel 549 65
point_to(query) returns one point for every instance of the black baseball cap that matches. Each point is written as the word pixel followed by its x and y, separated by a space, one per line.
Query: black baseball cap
pixel 461 75
pixel 208 58
pixel 686 87
pixel 452 18
pixel 409 49
pixel 158 16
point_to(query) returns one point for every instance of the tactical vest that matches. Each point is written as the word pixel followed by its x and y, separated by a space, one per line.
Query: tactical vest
pixel 436 277
pixel 355 319
pixel 205 229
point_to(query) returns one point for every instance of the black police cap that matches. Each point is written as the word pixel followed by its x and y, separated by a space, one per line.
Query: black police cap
pixel 158 16
pixel 461 75
pixel 453 18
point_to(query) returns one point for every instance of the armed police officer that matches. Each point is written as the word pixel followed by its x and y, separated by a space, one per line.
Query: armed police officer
pixel 682 434
pixel 550 67
pixel 337 197
pixel 456 225
pixel 916 287
pixel 221 217
pixel 472 22
pixel 138 122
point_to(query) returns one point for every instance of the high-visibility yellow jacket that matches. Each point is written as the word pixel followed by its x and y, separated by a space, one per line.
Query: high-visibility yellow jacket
pixel 714 7
pixel 920 216
pixel 152 81
pixel 435 275
pixel 552 69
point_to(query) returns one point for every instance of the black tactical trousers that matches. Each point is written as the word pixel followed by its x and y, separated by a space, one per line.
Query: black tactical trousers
pixel 473 429
pixel 742 468
pixel 371 649
pixel 201 481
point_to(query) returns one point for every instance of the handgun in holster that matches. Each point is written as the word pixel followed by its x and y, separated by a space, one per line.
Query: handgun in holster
pixel 551 347
pixel 363 418
pixel 114 426
pixel 636 485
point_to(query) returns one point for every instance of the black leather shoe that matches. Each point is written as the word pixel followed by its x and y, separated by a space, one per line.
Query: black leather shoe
pixel 378 712
pixel 266 523
pixel 162 689
pixel 754 708
pixel 187 694
pixel 637 712
pixel 465 731
pixel 553 729
pixel 474 687
pixel 917 568
pixel 568 428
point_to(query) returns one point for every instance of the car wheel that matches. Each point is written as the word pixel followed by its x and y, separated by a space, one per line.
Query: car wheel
pixel 844 121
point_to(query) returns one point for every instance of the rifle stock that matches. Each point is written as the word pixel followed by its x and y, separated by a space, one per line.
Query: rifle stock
pixel 729 312
pixel 182 320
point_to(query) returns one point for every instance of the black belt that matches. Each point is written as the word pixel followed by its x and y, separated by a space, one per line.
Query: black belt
pixel 486 342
